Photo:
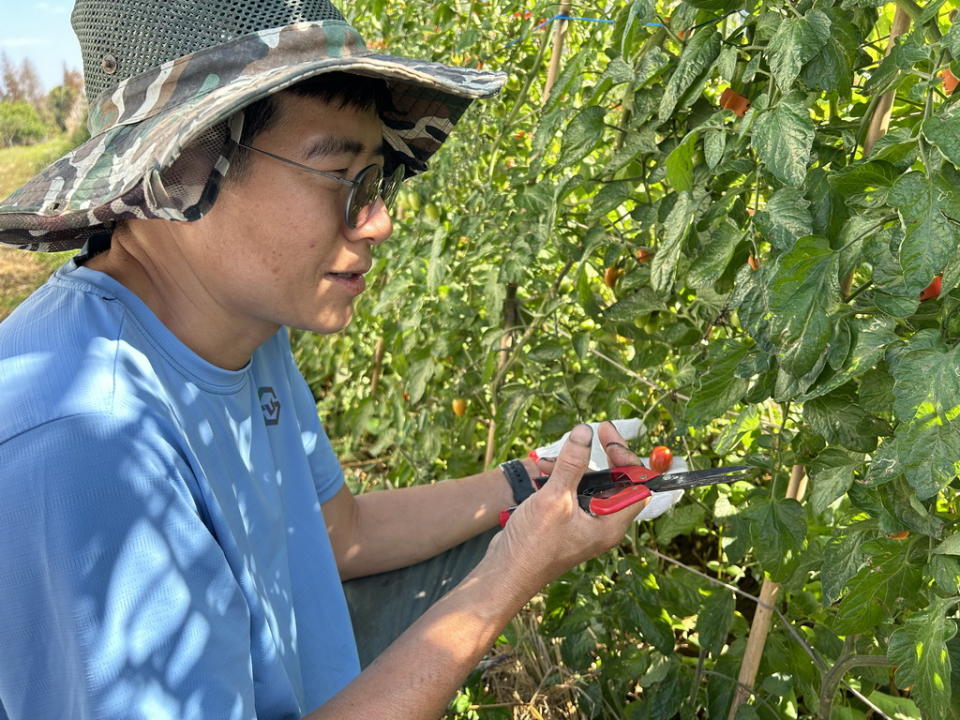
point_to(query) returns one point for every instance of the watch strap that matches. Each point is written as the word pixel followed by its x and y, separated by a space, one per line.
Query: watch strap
pixel 519 479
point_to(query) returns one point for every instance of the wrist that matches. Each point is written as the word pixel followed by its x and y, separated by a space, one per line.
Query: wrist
pixel 519 474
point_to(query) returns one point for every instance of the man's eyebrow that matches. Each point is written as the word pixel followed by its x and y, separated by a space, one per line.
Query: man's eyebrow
pixel 338 145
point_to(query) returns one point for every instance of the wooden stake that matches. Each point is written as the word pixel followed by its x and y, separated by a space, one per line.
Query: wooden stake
pixel 881 114
pixel 559 32
pixel 764 614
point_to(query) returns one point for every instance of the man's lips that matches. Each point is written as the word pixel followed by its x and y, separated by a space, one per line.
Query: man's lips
pixel 352 281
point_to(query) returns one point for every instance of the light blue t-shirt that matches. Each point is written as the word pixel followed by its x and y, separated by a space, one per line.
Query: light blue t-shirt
pixel 162 548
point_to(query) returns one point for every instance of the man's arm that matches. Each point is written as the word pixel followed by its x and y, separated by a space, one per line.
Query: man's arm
pixel 388 529
pixel 417 675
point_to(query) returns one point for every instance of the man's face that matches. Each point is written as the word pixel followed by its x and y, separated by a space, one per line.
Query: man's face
pixel 277 248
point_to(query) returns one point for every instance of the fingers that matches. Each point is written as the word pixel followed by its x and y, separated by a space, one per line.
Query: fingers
pixel 572 461
pixel 618 454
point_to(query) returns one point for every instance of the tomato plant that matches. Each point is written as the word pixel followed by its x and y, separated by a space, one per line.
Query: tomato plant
pixel 776 322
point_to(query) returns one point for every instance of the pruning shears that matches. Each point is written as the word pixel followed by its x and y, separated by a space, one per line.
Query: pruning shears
pixel 603 492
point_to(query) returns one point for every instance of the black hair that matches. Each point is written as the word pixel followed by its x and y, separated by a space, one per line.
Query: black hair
pixel 343 90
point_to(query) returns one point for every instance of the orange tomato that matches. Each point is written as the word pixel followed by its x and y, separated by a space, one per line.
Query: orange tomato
pixel 611 275
pixel 459 406
pixel 732 100
pixel 660 458
pixel 932 290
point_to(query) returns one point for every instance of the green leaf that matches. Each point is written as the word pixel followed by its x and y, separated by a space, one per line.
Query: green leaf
pixel 877 589
pixel 778 529
pixel 801 292
pixel 950 546
pixel 652 64
pixel 719 246
pixel 863 177
pixel 832 475
pixel 783 137
pixel 582 135
pixel 925 378
pixel 909 50
pixel 641 302
pixel 664 265
pixel 832 68
pixel 420 374
pixel 714 621
pixel 930 238
pixel 786 218
pixel 798 40
pixel 679 521
pixel 876 391
pixel 943 131
pixel 929 454
pixel 871 340
pixel 714 143
pixel 919 649
pixel 841 421
pixel 719 388
pixel 747 421
pixel 898 708
pixel 679 163
pixel 697 57
pixel 842 559
pixel 951 40
pixel 654 625
pixel 902 502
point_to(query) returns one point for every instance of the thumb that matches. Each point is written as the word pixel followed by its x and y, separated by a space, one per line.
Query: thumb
pixel 573 458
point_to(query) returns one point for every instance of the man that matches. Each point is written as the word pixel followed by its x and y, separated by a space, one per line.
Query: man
pixel 174 527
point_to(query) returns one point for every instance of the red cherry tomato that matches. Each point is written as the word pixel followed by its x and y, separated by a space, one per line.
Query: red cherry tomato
pixel 660 458
pixel 932 290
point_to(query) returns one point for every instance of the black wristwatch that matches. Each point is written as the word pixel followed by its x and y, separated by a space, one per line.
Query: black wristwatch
pixel 519 480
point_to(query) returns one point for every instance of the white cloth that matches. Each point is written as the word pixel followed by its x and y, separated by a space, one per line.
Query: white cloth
pixel 629 428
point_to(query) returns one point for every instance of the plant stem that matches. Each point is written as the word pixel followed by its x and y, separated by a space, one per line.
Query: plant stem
pixel 843 665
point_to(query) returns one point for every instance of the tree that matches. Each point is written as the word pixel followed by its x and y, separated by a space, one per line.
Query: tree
pixel 20 123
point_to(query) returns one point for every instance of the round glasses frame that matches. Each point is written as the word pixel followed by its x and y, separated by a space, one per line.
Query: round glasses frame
pixel 365 188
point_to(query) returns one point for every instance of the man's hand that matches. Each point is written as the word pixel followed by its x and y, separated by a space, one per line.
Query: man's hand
pixel 618 454
pixel 549 533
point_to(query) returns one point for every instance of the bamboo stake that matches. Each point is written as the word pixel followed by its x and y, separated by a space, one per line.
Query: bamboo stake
pixel 559 32
pixel 764 613
pixel 881 114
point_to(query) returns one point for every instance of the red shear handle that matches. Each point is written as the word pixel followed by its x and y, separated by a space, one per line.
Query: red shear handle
pixel 615 503
pixel 505 515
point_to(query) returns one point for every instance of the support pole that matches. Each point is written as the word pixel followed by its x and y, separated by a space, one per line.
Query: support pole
pixel 764 614
pixel 559 33
pixel 881 114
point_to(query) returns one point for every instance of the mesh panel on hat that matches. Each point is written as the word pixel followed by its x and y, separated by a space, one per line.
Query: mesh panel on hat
pixel 138 35
pixel 188 179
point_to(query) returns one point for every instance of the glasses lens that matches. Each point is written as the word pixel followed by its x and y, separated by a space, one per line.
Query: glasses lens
pixel 364 194
pixel 391 186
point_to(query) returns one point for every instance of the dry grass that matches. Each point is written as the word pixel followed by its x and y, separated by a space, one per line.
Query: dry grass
pixel 21 272
pixel 530 677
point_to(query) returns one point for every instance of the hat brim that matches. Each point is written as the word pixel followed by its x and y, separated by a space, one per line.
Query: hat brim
pixel 104 179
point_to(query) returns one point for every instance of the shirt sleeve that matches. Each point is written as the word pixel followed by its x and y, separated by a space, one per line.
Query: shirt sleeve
pixel 116 600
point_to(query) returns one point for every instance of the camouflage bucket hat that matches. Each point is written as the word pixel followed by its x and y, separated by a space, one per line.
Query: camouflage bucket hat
pixel 165 81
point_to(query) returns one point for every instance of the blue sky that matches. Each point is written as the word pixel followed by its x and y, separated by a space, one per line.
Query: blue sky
pixel 40 31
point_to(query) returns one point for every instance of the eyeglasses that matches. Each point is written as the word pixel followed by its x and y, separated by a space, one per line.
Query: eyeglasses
pixel 365 188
